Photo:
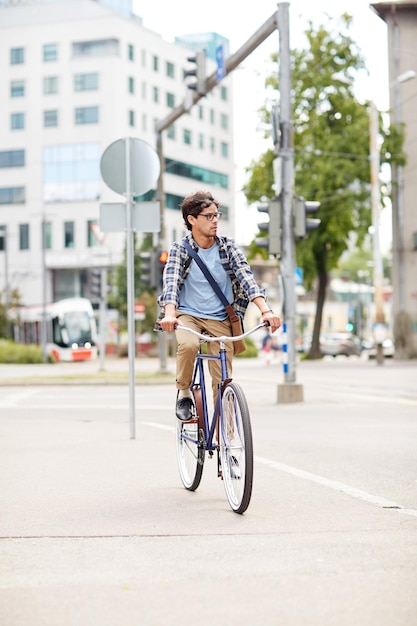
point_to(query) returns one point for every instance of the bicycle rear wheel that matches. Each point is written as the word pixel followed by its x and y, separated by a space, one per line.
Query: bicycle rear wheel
pixel 236 448
pixel 190 450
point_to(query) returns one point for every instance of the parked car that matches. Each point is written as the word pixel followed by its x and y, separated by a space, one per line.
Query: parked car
pixel 335 344
pixel 369 348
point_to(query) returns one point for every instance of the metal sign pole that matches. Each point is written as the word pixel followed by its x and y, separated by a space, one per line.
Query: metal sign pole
pixel 130 290
pixel 130 167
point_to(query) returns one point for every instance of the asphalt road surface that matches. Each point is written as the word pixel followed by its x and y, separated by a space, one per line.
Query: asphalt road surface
pixel 96 528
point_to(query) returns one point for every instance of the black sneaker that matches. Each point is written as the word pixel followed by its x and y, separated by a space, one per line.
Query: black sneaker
pixel 184 406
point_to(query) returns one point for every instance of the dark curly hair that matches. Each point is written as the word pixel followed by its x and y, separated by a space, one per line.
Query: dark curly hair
pixel 194 203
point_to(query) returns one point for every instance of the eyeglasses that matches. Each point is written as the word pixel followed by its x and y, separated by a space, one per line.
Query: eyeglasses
pixel 210 216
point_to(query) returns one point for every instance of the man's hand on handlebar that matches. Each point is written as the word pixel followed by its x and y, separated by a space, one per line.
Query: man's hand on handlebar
pixel 168 323
pixel 272 319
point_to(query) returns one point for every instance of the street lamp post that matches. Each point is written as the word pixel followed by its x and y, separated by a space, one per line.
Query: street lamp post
pixel 379 326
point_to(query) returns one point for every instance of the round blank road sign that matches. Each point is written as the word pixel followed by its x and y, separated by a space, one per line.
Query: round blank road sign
pixel 144 166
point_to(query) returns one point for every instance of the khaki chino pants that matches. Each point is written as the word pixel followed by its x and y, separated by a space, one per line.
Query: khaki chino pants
pixel 188 345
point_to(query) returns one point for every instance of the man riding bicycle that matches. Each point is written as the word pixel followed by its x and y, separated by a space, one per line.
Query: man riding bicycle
pixel 188 297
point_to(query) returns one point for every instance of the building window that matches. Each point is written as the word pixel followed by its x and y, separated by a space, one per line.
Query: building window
pixel 224 121
pixel 50 118
pixel 223 92
pixel 143 58
pixel 200 112
pixel 71 172
pixel 173 202
pixel 170 100
pixel 211 116
pixel 225 212
pixel 144 122
pixel 3 237
pixel 23 236
pixel 143 90
pixel 86 82
pixel 47 235
pixel 155 94
pixel 50 52
pixel 194 172
pixel 17 56
pixel 12 195
pixel 170 69
pixel 155 63
pixel 50 84
pixel 86 115
pixel 17 121
pixel 12 158
pixel 131 84
pixel 69 237
pixel 212 145
pixel 187 136
pixel 201 141
pixel 171 132
pixel 224 149
pixel 131 118
pixel 130 52
pixel 17 88
pixel 96 48
pixel 91 236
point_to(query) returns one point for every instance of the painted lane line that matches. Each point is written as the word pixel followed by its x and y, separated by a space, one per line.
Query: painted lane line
pixel 359 494
pixel 13 399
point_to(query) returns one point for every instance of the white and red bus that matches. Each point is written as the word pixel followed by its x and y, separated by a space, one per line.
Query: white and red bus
pixel 71 330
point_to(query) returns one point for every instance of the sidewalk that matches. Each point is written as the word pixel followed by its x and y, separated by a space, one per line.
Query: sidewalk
pixel 115 371
pixel 148 370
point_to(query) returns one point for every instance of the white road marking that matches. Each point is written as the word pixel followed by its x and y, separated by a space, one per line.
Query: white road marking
pixel 336 485
pixel 12 399
pixel 359 494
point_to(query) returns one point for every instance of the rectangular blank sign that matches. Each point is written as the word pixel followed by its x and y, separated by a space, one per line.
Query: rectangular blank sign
pixel 146 217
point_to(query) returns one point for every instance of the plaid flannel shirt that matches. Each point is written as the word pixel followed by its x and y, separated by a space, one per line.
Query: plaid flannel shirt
pixel 244 286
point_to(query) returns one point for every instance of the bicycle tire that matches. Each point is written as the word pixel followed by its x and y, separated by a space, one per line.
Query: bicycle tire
pixel 190 448
pixel 236 448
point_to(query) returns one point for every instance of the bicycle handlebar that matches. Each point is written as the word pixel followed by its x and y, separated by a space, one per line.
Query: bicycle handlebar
pixel 223 338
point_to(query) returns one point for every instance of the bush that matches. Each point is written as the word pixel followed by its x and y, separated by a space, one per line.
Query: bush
pixel 11 352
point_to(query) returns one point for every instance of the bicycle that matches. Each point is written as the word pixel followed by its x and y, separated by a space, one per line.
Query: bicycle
pixel 230 423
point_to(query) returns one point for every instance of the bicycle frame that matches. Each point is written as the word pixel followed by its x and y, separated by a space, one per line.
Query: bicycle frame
pixel 199 380
pixel 230 421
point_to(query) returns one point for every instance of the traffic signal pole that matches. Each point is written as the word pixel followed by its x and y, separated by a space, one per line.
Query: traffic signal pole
pixel 231 63
pixel 284 175
pixel 289 391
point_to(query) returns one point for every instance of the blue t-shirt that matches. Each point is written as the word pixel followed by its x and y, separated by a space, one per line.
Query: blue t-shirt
pixel 197 297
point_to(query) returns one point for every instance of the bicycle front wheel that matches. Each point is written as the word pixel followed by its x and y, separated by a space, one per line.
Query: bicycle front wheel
pixel 190 451
pixel 236 448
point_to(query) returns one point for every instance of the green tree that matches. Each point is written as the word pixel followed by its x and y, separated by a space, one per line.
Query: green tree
pixel 331 143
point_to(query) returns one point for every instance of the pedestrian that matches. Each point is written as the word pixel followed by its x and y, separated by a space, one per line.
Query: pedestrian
pixel 189 299
pixel 267 347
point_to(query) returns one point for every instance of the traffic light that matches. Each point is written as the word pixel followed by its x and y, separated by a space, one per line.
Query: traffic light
pixel 198 71
pixel 161 262
pixel 147 273
pixel 303 224
pixel 273 228
pixel 95 285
